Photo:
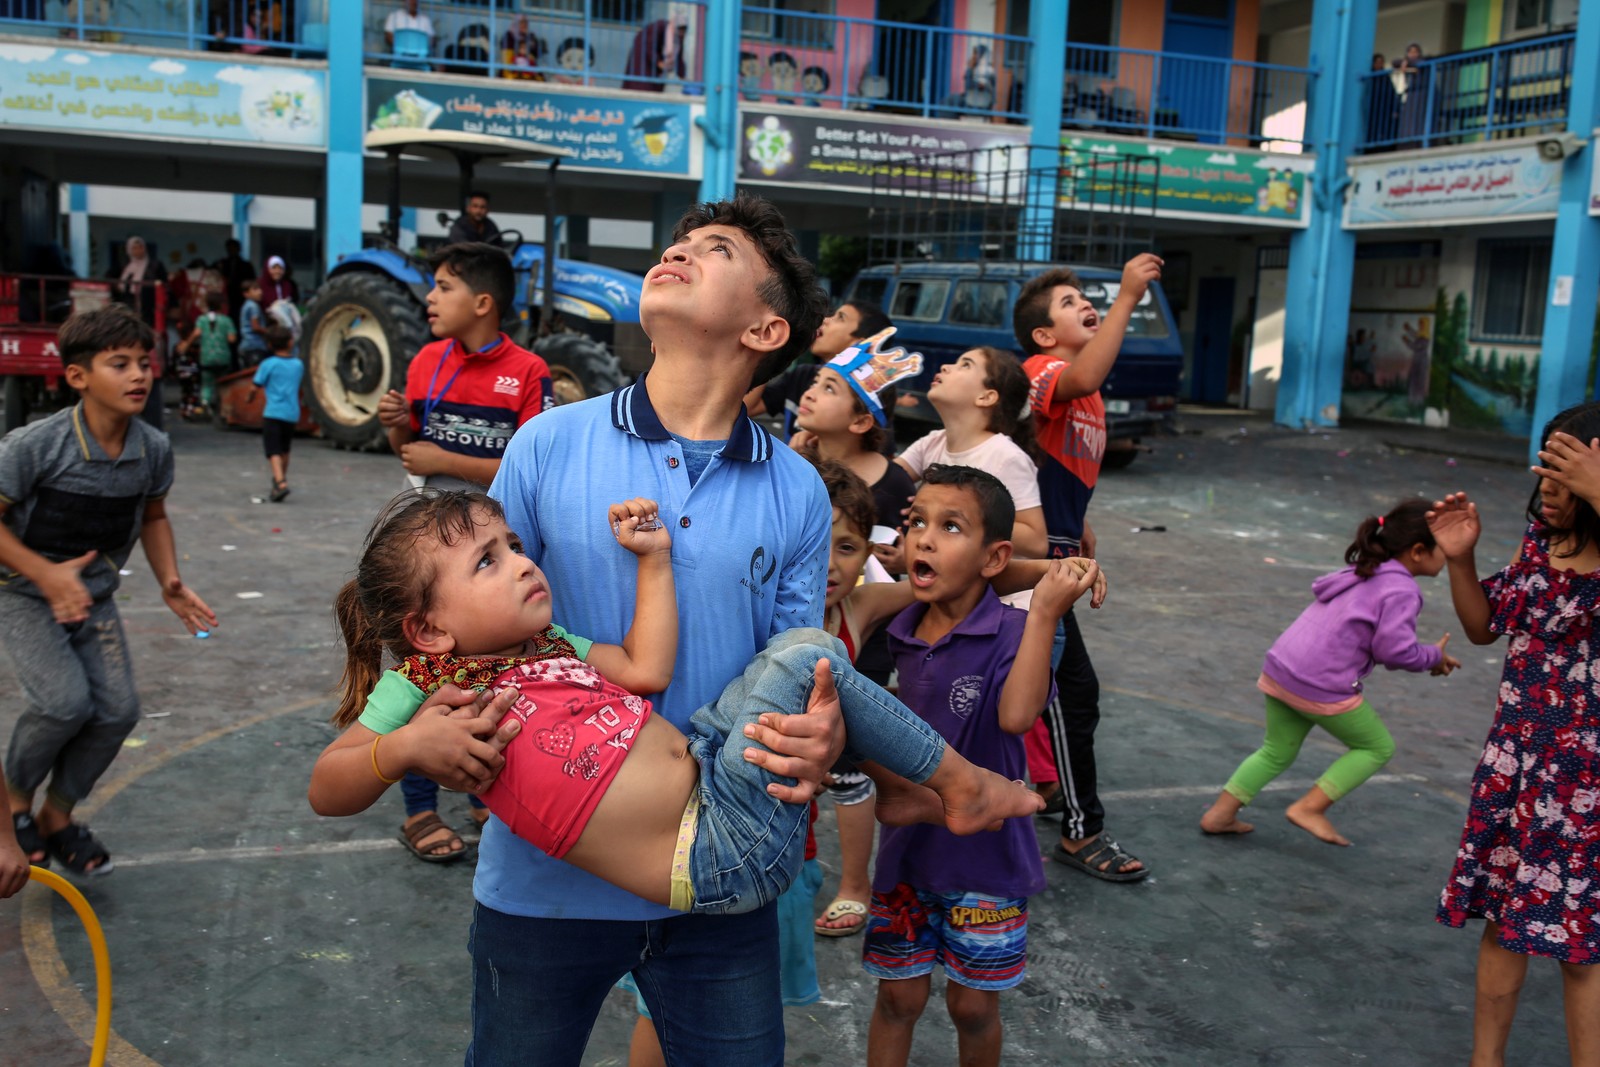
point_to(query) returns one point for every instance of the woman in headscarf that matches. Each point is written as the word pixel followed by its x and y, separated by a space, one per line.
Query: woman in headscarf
pixel 276 284
pixel 139 279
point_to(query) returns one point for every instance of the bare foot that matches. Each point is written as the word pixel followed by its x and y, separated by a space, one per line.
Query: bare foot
pixel 1314 823
pixel 903 803
pixel 1212 823
pixel 980 799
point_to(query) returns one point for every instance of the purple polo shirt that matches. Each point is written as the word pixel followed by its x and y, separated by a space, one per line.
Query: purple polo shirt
pixel 955 685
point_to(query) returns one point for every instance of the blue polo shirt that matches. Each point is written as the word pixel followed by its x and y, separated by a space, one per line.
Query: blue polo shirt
pixel 750 543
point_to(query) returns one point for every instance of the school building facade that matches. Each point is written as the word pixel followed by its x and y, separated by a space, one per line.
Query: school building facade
pixel 1418 242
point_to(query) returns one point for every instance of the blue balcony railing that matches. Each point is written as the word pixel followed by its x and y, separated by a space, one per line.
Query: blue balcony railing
pixel 791 57
pixel 643 45
pixel 252 27
pixel 1170 95
pixel 1508 90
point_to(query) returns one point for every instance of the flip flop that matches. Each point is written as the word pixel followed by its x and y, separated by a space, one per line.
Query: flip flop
pixel 840 909
pixel 1088 860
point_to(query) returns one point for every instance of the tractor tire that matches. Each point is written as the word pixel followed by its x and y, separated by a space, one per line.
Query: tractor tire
pixel 361 330
pixel 580 367
pixel 13 402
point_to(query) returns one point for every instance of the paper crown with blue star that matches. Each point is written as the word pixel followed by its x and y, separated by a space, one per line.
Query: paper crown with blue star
pixel 869 369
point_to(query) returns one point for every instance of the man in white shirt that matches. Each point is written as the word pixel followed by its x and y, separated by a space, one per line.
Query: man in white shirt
pixel 407 18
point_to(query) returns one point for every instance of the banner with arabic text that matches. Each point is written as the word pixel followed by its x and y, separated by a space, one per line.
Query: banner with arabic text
pixel 96 90
pixel 1503 182
pixel 605 132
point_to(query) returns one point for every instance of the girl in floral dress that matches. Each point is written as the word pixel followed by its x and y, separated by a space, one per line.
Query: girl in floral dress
pixel 1529 861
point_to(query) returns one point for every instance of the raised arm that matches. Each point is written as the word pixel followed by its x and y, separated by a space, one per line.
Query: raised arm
pixel 643 662
pixel 1089 368
pixel 1574 464
pixel 1455 526
pixel 1027 687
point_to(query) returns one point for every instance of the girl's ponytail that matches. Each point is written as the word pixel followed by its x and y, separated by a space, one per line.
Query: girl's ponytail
pixel 1379 540
pixel 363 654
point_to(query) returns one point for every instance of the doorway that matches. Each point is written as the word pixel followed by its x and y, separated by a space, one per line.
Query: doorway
pixel 1213 340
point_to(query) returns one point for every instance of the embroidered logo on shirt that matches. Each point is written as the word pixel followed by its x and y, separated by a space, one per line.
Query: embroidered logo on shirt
pixel 966 693
pixel 759 576
pixel 503 384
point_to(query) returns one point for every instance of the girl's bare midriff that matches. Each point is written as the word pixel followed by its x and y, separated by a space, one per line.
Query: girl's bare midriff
pixel 631 836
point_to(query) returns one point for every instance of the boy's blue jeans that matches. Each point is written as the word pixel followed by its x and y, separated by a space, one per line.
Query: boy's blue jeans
pixel 749 846
pixel 80 703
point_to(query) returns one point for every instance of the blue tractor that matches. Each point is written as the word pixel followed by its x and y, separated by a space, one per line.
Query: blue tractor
pixel 363 325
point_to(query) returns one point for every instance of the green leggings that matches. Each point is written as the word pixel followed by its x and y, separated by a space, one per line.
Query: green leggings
pixel 1360 728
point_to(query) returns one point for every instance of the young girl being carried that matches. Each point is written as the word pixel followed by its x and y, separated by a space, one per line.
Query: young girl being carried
pixel 593 777
pixel 1529 861
pixel 1363 615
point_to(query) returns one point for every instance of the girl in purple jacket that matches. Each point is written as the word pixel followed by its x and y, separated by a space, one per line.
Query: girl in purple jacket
pixel 1363 615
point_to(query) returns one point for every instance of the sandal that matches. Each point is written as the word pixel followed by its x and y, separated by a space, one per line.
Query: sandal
pixel 432 824
pixel 841 909
pixel 29 839
pixel 77 849
pixel 1089 859
pixel 279 491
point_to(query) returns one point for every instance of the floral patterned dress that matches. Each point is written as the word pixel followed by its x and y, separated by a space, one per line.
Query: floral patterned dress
pixel 1530 852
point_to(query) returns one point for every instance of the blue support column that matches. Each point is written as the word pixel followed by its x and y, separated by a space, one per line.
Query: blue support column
pixel 78 230
pixel 341 225
pixel 720 123
pixel 408 228
pixel 1575 255
pixel 241 222
pixel 1047 26
pixel 1322 257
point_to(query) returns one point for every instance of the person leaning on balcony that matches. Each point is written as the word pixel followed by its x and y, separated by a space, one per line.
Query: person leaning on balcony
pixel 407 17
pixel 1413 97
pixel 1383 103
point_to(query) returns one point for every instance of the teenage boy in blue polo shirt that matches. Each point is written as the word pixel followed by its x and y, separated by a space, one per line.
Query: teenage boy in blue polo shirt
pixel 466 394
pixel 979 673
pixel 730 301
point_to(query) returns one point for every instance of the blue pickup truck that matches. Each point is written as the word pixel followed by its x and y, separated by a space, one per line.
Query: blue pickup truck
pixel 942 309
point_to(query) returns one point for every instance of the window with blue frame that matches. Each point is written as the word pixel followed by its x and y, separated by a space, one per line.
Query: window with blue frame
pixel 776 21
pixel 1509 290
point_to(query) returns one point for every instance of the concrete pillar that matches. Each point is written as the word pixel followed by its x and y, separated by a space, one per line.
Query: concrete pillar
pixel 1575 255
pixel 78 230
pixel 1047 26
pixel 1322 257
pixel 720 123
pixel 669 208
pixel 341 229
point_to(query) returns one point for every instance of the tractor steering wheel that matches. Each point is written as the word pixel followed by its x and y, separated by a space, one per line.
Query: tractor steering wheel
pixel 508 239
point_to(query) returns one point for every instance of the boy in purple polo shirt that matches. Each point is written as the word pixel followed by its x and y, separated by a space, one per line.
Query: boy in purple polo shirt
pixel 979 673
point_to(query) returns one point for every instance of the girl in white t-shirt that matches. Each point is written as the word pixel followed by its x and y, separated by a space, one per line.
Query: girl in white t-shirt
pixel 982 399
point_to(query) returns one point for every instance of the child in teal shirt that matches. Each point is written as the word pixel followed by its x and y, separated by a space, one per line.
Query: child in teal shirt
pixel 216 334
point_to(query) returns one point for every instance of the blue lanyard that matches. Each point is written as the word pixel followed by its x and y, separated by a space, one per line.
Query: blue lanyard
pixel 430 400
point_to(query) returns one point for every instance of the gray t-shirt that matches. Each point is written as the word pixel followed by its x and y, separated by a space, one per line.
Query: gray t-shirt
pixel 65 496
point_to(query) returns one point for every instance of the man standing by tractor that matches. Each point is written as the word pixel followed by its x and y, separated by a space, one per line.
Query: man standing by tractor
pixel 474 224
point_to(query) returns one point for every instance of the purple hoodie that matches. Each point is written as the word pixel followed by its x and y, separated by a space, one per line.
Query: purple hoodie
pixel 1354 624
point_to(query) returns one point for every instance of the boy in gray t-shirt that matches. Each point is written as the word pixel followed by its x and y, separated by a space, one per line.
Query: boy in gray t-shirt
pixel 76 491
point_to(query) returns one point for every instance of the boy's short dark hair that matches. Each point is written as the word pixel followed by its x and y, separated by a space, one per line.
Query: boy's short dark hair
pixel 277 336
pixel 1033 305
pixel 249 284
pixel 994 500
pixel 791 292
pixel 216 301
pixel 482 268
pixel 478 194
pixel 86 335
pixel 848 493
pixel 873 318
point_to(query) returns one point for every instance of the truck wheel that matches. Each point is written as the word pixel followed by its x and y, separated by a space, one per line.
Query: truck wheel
pixel 14 401
pixel 361 330
pixel 580 366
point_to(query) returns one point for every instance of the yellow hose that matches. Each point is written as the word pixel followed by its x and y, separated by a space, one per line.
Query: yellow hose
pixel 102 959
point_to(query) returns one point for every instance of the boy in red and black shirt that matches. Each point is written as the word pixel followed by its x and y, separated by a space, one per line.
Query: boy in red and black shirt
pixel 1070 350
pixel 466 394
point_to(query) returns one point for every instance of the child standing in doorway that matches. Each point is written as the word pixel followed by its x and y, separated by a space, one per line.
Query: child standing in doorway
pixel 1531 846
pixel 1363 615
